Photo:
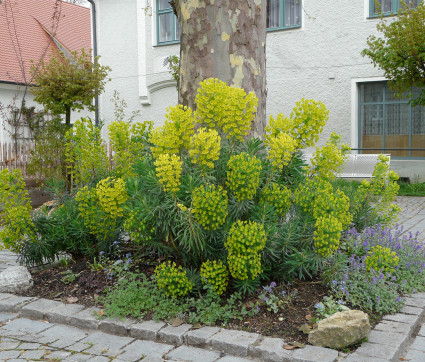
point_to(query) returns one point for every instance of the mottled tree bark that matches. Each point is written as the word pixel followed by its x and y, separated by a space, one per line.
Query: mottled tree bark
pixel 224 39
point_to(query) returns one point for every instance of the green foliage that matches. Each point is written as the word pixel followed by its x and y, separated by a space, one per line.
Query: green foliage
pixel 68 83
pixel 85 154
pixel 135 295
pixel 411 189
pixel 15 211
pixel 399 52
pixel 329 306
pixel 173 279
pixel 215 274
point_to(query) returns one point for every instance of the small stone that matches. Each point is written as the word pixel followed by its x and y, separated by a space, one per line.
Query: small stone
pixel 15 279
pixel 341 329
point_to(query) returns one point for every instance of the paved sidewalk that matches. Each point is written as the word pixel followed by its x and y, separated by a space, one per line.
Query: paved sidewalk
pixel 412 216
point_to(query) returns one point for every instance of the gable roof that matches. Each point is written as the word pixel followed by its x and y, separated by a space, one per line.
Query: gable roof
pixel 32 29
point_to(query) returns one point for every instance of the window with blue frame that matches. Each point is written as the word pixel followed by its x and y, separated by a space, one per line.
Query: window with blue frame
pixel 389 7
pixel 283 14
pixel 388 124
pixel 168 26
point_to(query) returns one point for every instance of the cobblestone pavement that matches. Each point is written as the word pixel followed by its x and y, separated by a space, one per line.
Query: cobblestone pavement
pixel 412 216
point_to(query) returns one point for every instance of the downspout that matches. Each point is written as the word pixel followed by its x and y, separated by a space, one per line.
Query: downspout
pixel 94 26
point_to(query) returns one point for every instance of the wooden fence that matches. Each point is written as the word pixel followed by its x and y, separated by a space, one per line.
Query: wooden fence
pixel 16 157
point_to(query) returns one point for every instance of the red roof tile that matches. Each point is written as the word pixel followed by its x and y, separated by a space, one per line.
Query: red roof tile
pixel 22 37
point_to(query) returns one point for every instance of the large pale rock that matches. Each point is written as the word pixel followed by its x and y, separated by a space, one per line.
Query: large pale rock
pixel 15 279
pixel 341 329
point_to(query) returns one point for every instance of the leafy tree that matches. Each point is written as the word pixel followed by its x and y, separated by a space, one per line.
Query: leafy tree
pixel 68 83
pixel 400 52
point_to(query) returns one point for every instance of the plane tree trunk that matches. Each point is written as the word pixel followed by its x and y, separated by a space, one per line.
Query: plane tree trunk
pixel 224 39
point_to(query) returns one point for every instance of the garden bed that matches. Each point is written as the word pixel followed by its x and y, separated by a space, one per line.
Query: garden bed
pixel 78 283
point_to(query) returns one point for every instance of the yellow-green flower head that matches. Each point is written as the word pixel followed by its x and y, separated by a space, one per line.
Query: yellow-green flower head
pixel 228 110
pixel 243 176
pixel 329 159
pixel 205 147
pixel 281 149
pixel 215 274
pixel 168 171
pixel 279 125
pixel 306 192
pixel 308 119
pixel 112 194
pixel 327 235
pixel 210 206
pixel 381 259
pixel 137 228
pixel 336 204
pixel 173 279
pixel 245 242
pixel 278 196
pixel 175 134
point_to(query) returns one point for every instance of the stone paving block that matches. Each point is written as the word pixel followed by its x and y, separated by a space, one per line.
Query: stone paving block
pixel 407 309
pixel 6 317
pixel 99 359
pixel 106 344
pixel 138 349
pixel 394 327
pixel 357 358
pixel 8 345
pixel 413 355
pixel 418 344
pixel 85 319
pixel 201 336
pixel 419 295
pixel 194 354
pixel 415 302
pixel 29 346
pixel 78 347
pixel 57 355
pixel 377 350
pixel 234 359
pixel 5 355
pixel 402 318
pixel 313 353
pixel 270 349
pixel 23 325
pixel 38 308
pixel 14 304
pixel 234 342
pixel 146 330
pixel 422 331
pixel 33 355
pixel 78 357
pixel 116 326
pixel 5 296
pixel 174 335
pixel 63 335
pixel 63 312
pixel 388 338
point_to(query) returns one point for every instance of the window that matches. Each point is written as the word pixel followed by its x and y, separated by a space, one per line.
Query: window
pixel 389 124
pixel 389 7
pixel 283 14
pixel 168 27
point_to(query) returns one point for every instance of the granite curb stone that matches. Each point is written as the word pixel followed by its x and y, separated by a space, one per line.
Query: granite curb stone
pixel 201 336
pixel 234 342
pixel 146 330
pixel 174 335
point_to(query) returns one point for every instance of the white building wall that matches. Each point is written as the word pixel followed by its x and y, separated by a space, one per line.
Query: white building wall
pixel 321 60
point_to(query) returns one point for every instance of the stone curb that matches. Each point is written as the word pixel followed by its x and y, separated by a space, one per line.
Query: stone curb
pixel 386 343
